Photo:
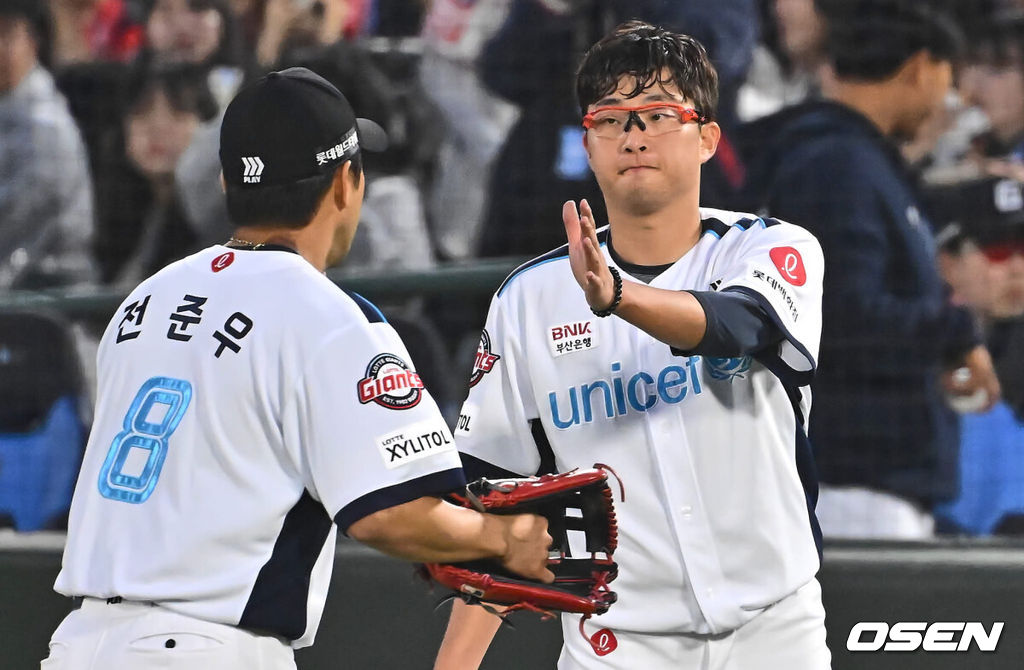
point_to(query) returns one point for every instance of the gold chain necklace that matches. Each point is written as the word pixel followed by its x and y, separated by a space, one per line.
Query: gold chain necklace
pixel 246 243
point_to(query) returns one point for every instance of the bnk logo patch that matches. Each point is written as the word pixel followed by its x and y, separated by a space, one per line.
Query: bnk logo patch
pixel 390 383
pixel 566 338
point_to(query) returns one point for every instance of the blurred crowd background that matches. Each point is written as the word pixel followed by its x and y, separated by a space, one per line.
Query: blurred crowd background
pixel 892 129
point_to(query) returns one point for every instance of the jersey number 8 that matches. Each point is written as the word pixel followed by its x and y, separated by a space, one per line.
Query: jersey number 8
pixel 136 456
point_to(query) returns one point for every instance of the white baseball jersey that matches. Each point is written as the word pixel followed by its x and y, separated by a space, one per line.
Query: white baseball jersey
pixel 718 518
pixel 245 406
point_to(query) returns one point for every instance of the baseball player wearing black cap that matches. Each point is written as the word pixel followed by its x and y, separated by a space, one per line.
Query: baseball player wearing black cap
pixel 247 409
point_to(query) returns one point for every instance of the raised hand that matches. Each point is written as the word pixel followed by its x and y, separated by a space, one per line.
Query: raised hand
pixel 588 263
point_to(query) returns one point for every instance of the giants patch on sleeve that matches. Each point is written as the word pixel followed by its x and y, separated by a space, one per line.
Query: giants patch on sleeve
pixel 484 361
pixel 416 441
pixel 390 383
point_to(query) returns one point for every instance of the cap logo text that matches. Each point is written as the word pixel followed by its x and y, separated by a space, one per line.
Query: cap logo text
pixel 253 169
pixel 346 146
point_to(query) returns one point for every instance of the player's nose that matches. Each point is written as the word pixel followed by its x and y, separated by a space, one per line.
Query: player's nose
pixel 634 147
pixel 634 141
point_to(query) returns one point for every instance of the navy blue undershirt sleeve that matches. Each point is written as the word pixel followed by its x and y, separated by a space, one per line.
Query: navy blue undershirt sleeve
pixel 737 326
pixel 434 484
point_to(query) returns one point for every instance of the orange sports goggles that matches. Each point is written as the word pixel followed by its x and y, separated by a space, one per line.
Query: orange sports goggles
pixel 656 118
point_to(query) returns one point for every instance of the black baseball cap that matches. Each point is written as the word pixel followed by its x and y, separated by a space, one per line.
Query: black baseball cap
pixel 291 125
pixel 988 210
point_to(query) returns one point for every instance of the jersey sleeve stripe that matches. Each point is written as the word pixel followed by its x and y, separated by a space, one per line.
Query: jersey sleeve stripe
pixel 277 602
pixel 714 226
pixel 802 449
pixel 434 484
pixel 370 311
pixel 808 474
pixel 803 452
pixel 719 228
pixel 554 255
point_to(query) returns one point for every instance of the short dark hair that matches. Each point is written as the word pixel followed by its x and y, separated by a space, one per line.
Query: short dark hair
pixel 185 86
pixel 997 39
pixel 40 22
pixel 870 40
pixel 291 205
pixel 643 51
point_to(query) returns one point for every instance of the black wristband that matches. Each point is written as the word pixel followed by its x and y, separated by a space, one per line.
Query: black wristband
pixel 607 311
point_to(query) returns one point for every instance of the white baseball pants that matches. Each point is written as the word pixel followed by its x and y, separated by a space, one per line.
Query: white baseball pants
pixel 790 634
pixel 140 636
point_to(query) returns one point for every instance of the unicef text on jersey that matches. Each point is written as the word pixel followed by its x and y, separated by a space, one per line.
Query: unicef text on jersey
pixel 618 396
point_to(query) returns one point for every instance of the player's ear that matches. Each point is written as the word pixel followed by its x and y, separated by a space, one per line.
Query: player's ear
pixel 586 143
pixel 223 184
pixel 710 134
pixel 344 187
pixel 912 70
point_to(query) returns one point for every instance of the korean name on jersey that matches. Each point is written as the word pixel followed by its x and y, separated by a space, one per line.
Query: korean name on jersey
pixel 248 408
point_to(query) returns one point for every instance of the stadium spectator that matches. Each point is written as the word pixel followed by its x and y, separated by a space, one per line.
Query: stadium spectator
pixel 290 24
pixel 993 79
pixel 476 121
pixel 982 256
pixel 886 442
pixel 208 35
pixel 393 234
pixel 192 31
pixel 95 30
pixel 46 206
pixel 142 225
pixel 205 33
pixel 789 64
pixel 542 162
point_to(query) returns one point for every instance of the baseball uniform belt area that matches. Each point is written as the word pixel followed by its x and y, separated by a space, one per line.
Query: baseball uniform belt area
pixel 76 601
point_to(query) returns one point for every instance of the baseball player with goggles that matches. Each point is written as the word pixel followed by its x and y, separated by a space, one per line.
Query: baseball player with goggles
pixel 248 409
pixel 684 365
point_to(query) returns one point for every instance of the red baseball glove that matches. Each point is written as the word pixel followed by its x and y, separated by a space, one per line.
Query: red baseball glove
pixel 579 500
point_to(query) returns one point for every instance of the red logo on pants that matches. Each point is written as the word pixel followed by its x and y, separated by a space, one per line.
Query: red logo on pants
pixel 790 265
pixel 603 642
